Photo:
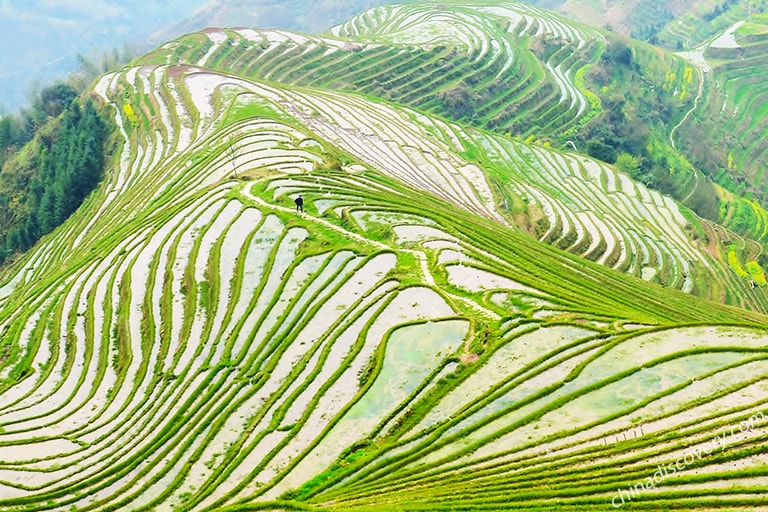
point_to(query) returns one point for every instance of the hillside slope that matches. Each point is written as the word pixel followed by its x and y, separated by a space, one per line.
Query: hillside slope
pixel 189 341
pixel 520 70
pixel 458 320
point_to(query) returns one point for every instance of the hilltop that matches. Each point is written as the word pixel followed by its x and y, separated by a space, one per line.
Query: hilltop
pixel 461 318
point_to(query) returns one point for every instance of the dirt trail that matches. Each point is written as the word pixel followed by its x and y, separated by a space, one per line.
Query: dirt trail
pixel 420 255
pixel 700 76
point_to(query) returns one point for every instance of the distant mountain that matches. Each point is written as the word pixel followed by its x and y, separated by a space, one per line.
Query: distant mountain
pixel 40 41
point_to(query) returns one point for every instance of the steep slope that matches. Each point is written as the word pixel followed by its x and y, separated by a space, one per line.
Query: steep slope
pixel 706 20
pixel 675 25
pixel 189 341
pixel 520 70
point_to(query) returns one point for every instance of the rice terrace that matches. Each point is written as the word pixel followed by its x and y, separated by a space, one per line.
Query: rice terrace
pixel 472 312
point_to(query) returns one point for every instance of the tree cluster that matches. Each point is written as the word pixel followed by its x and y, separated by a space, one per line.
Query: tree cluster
pixel 44 184
pixel 17 130
pixel 638 111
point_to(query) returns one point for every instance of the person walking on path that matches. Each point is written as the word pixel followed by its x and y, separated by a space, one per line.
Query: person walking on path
pixel 299 204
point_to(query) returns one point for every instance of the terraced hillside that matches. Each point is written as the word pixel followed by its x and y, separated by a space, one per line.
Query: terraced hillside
pixel 520 70
pixel 697 25
pixel 189 341
pixel 678 25
pixel 675 26
pixel 509 67
pixel 458 319
pixel 402 52
pixel 732 108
